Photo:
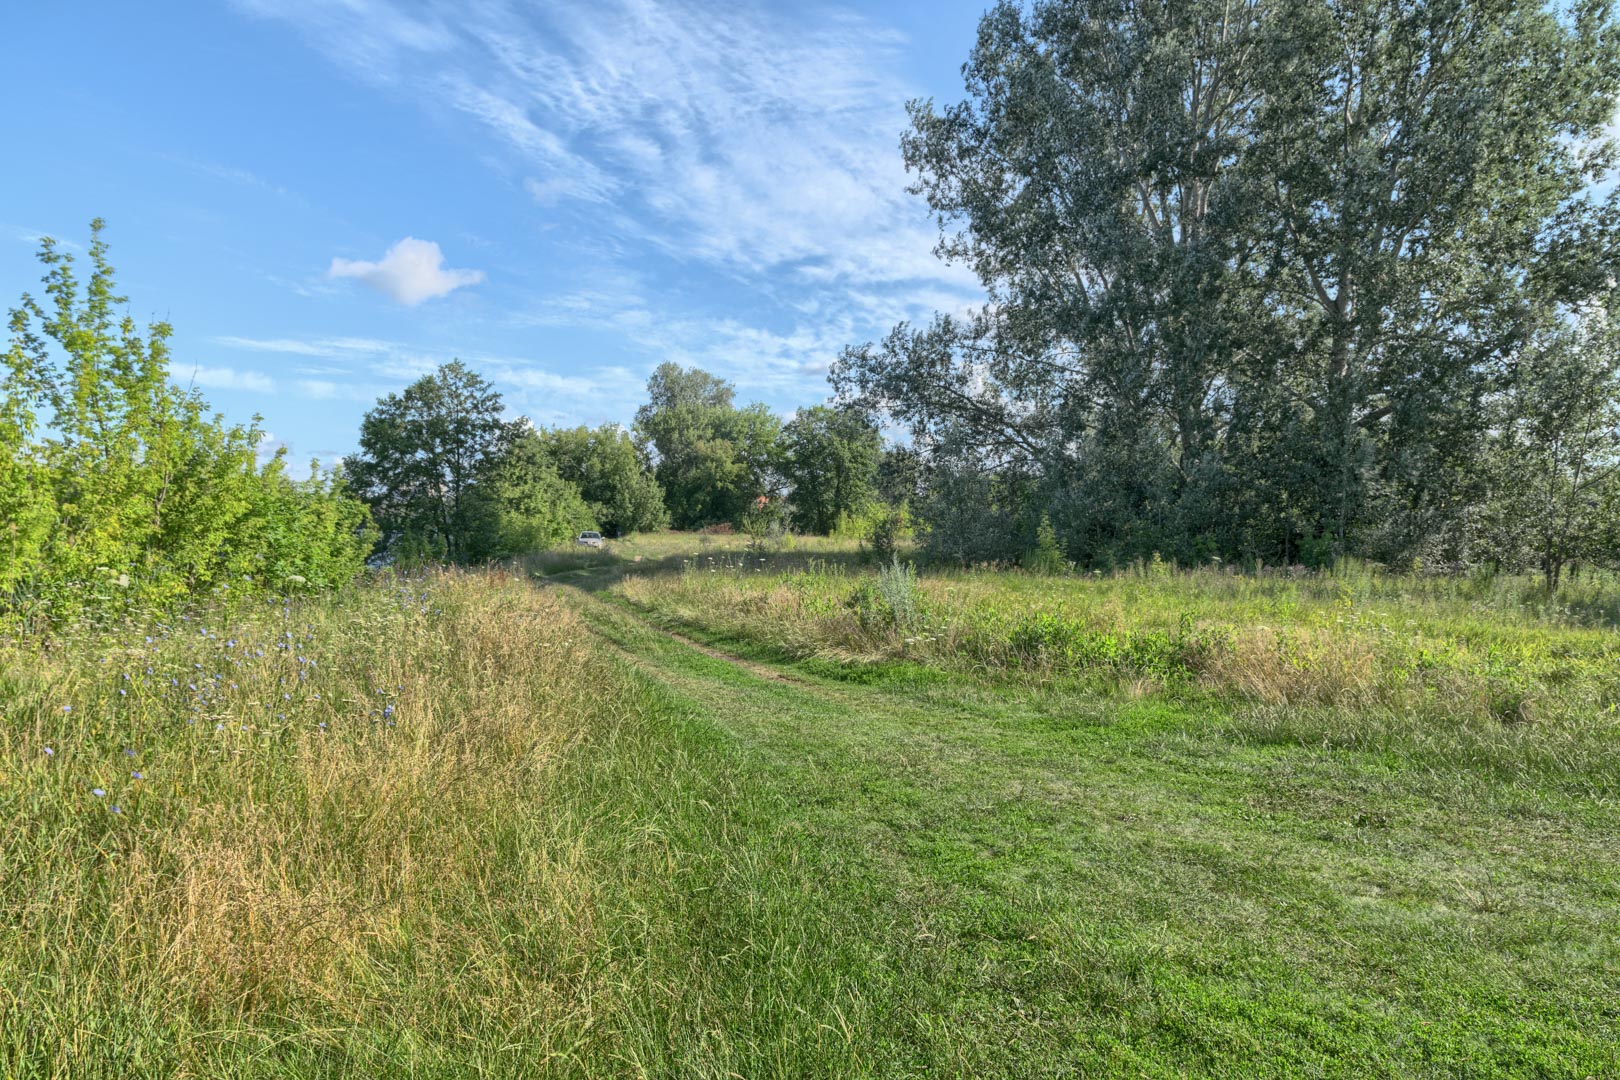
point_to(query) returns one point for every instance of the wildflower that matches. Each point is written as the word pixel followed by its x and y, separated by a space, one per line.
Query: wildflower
pixel 67 708
pixel 97 792
pixel 116 810
pixel 50 752
pixel 128 752
pixel 137 775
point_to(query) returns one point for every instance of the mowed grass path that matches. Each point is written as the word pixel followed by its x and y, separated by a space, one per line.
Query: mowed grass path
pixel 892 871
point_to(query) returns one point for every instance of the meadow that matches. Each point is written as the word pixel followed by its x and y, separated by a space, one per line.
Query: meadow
pixel 694 807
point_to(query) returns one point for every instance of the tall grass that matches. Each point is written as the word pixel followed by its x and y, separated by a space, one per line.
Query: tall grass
pixel 1498 650
pixel 326 821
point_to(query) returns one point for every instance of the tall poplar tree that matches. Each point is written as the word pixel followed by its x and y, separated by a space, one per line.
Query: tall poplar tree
pixel 1253 266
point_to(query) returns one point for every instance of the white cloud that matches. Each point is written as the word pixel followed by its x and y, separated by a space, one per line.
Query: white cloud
pixel 327 390
pixel 223 378
pixel 33 237
pixel 269 446
pixel 410 272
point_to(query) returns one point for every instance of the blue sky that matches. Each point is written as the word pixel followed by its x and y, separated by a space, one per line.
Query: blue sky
pixel 327 199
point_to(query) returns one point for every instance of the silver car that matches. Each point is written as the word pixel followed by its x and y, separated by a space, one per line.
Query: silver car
pixel 590 539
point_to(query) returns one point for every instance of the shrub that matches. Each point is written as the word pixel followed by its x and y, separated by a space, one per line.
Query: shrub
pixel 897 584
pixel 765 528
pixel 1046 557
pixel 137 498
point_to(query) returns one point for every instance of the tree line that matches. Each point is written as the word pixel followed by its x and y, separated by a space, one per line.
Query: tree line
pixel 1271 281
pixel 447 476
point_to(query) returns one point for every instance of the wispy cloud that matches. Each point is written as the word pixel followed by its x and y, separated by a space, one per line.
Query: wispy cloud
pixel 32 237
pixel 232 174
pixel 222 378
pixel 328 390
pixel 746 139
pixel 327 347
pixel 410 272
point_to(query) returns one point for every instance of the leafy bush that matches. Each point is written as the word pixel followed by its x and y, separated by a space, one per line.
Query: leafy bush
pixel 138 498
pixel 1049 639
pixel 888 531
pixel 1046 557
pixel 764 525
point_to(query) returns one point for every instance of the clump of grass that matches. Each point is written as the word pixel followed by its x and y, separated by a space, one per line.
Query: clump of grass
pixel 890 602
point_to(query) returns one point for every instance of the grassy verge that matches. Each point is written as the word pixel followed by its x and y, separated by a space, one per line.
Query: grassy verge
pixel 327 838
pixel 1440 651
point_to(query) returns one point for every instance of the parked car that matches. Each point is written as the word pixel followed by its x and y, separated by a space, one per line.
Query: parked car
pixel 590 539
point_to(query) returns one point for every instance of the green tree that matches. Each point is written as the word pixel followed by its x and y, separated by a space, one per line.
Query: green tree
pixel 713 459
pixel 423 454
pixel 1557 449
pixel 136 495
pixel 901 476
pixel 534 507
pixel 1423 172
pixel 612 474
pixel 1252 266
pixel 27 511
pixel 830 459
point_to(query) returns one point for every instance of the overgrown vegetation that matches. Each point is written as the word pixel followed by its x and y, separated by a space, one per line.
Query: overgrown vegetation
pixel 119 493
pixel 318 816
pixel 438 823
pixel 1437 651
pixel 1224 680
pixel 1271 282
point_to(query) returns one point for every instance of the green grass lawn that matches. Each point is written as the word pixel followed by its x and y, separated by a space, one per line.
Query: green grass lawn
pixel 679 823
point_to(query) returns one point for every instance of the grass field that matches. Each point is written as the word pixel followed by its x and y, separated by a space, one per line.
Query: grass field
pixel 706 815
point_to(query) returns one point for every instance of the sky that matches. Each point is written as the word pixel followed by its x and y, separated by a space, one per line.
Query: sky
pixel 329 199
